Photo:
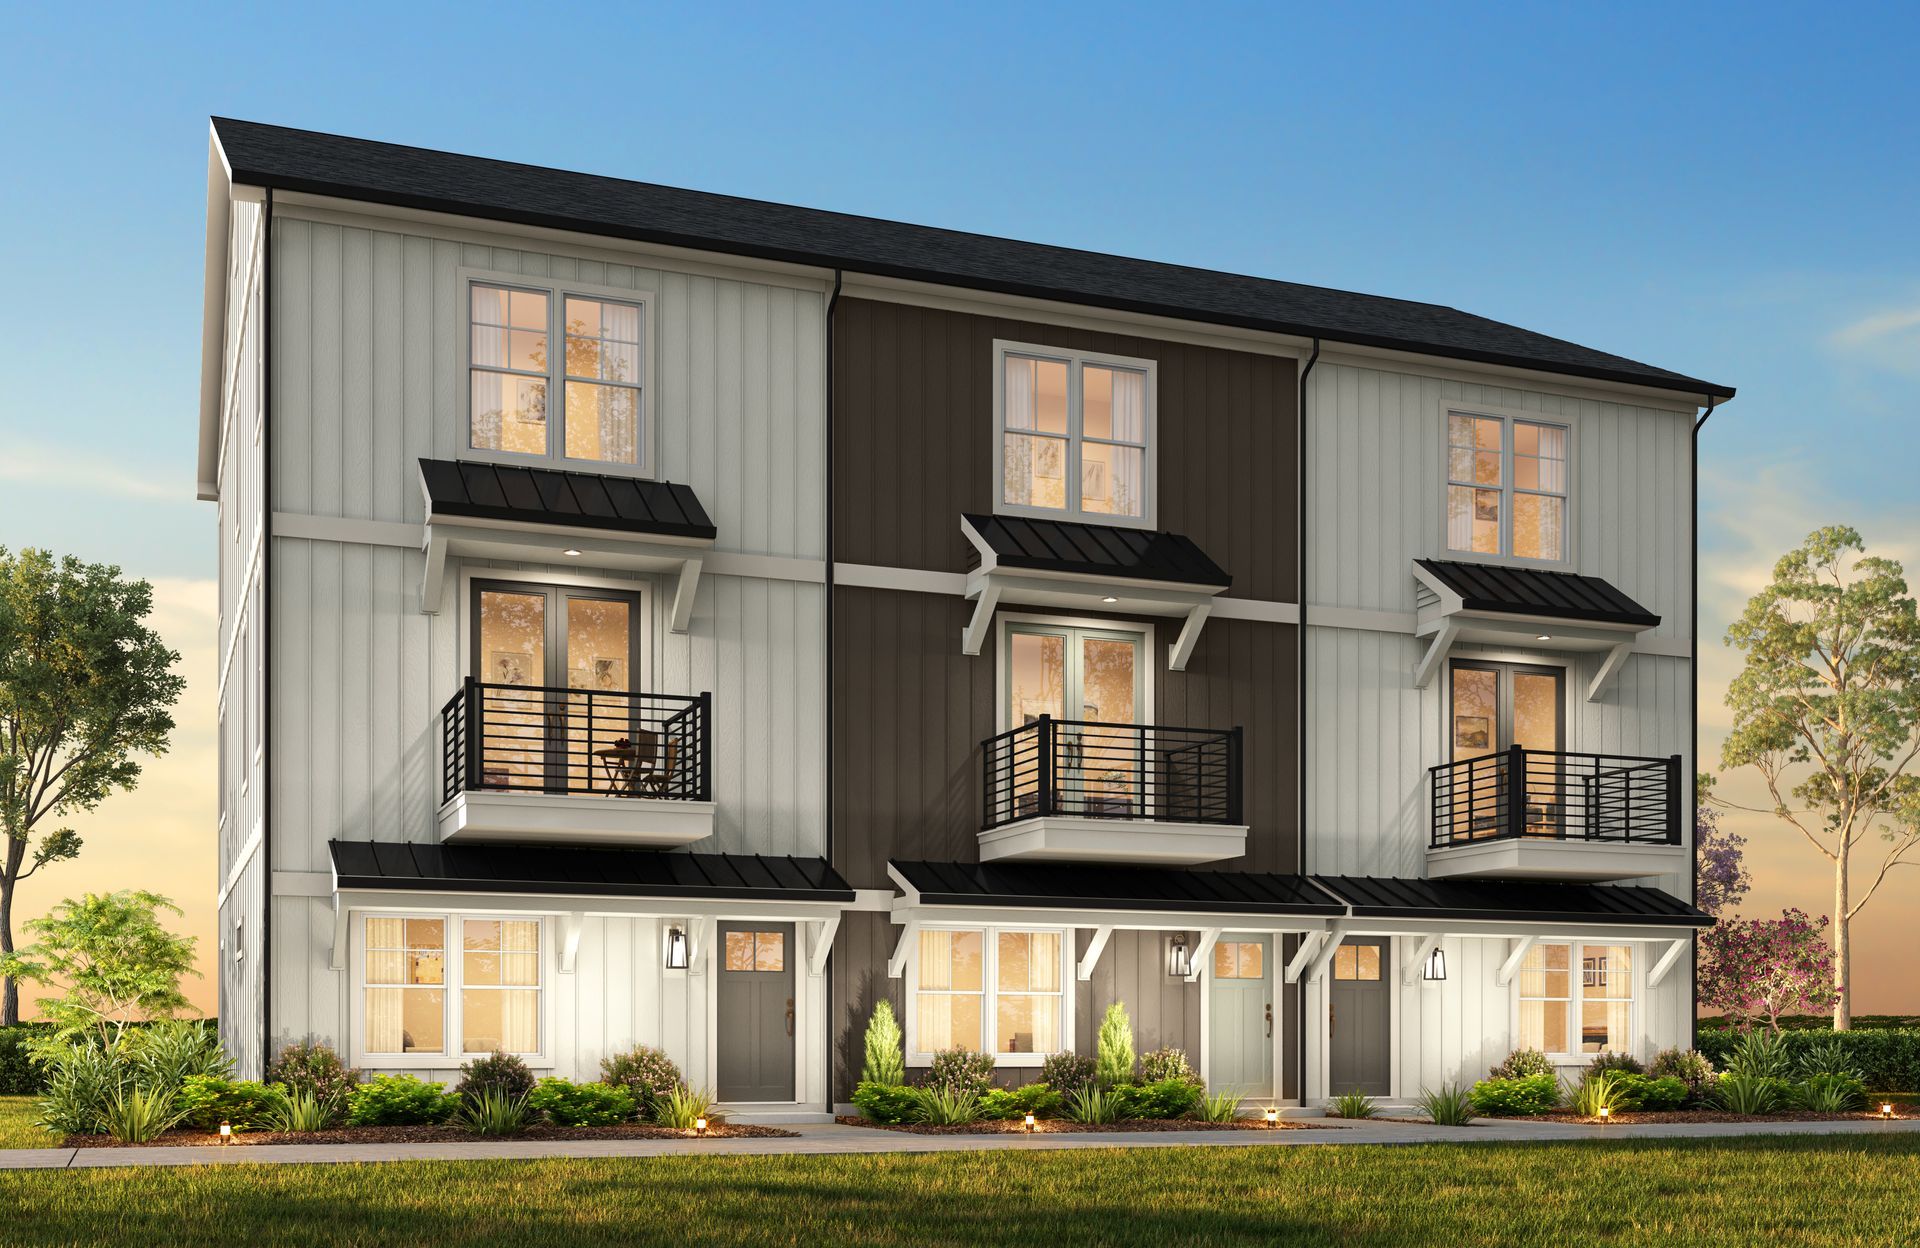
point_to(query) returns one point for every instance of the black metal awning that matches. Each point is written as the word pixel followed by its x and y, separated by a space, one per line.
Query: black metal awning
pixel 549 870
pixel 528 495
pixel 1519 901
pixel 1532 591
pixel 1097 886
pixel 1021 543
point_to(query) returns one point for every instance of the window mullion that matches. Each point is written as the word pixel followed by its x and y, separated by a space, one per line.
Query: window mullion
pixel 1075 397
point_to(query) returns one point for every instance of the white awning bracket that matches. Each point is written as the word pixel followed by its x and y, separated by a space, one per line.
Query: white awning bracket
pixel 821 944
pixel 570 925
pixel 1615 660
pixel 1505 975
pixel 897 964
pixel 1304 954
pixel 1209 937
pixel 1324 958
pixel 337 958
pixel 702 937
pixel 1667 962
pixel 1410 969
pixel 1430 661
pixel 1182 648
pixel 686 586
pixel 1091 957
pixel 974 635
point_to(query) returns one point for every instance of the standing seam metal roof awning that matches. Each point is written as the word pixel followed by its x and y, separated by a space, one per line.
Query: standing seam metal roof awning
pixel 1535 591
pixel 1082 886
pixel 1511 901
pixel 549 870
pixel 1022 543
pixel 552 496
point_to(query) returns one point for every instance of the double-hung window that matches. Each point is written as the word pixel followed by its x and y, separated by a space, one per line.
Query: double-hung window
pixel 446 986
pixel 557 374
pixel 1507 487
pixel 1074 435
pixel 992 990
pixel 1577 998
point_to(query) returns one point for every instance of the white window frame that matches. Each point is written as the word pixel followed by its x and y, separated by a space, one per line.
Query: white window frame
pixel 451 1055
pixel 1075 362
pixel 918 1055
pixel 1636 989
pixel 556 291
pixel 1003 655
pixel 1508 489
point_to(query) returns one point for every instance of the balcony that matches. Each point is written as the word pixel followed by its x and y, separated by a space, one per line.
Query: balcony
pixel 532 763
pixel 1544 814
pixel 1058 790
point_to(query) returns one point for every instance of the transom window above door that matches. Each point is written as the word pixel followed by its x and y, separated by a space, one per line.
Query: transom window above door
pixel 1507 487
pixel 1073 435
pixel 580 402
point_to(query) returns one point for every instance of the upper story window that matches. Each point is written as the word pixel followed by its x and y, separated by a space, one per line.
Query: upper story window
pixel 1074 435
pixel 583 403
pixel 1507 487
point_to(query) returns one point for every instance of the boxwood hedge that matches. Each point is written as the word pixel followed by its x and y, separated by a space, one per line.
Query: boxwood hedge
pixel 1889 1059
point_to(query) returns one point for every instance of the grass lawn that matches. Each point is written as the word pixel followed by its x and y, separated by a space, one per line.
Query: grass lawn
pixel 16 1124
pixel 1780 1192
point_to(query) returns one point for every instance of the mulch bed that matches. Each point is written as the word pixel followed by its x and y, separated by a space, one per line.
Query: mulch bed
pixel 1061 1126
pixel 432 1135
pixel 1705 1115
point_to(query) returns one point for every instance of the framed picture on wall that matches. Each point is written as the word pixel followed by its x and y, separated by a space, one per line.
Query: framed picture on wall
pixel 510 667
pixel 1472 732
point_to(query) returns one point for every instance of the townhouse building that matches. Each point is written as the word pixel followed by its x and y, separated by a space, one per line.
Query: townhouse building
pixel 654 617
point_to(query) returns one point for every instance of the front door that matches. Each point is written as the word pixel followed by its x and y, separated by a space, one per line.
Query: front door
pixel 1357 1018
pixel 756 1012
pixel 1240 1016
pixel 1083 678
pixel 1497 706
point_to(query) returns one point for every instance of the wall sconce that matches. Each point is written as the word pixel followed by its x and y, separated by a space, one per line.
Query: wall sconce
pixel 676 948
pixel 1436 965
pixel 1179 957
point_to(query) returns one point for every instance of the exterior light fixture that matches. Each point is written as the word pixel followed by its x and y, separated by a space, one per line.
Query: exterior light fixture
pixel 1436 968
pixel 226 1132
pixel 1179 957
pixel 1886 1109
pixel 1606 1112
pixel 1027 1122
pixel 1272 1116
pixel 676 948
pixel 699 1126
pixel 1109 598
pixel 571 553
pixel 1543 637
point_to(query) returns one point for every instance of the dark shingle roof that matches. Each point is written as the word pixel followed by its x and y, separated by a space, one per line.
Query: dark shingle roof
pixel 551 496
pixel 1514 900
pixel 1530 591
pixel 1096 549
pixel 1099 886
pixel 412 177
pixel 560 870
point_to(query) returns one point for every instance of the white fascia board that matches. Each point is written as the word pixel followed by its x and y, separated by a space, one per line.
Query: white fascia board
pixel 213 317
pixel 721 908
pixel 1535 930
pixel 1093 917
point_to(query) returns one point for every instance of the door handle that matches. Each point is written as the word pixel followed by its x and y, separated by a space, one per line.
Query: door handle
pixel 1269 1020
pixel 789 1016
pixel 1329 1021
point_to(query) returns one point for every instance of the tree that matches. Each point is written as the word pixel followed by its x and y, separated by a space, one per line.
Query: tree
pixel 1721 878
pixel 1767 967
pixel 116 961
pixel 1113 1054
pixel 85 688
pixel 886 1061
pixel 1827 709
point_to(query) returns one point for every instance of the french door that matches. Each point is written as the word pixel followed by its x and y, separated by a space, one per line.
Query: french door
pixel 556 666
pixel 1092 681
pixel 1496 706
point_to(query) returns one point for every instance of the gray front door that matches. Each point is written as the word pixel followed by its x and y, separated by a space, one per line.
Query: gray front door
pixel 1240 1017
pixel 1357 1018
pixel 756 1011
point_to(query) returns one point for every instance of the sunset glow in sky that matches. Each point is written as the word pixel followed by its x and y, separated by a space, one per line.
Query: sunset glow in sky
pixel 1726 191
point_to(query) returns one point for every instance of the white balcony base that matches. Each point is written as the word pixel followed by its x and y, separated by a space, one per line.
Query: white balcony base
pixel 1075 838
pixel 575 818
pixel 1541 858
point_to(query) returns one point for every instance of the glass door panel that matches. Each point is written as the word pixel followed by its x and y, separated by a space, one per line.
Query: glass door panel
pixel 1111 763
pixel 1037 676
pixel 1475 727
pixel 1496 706
pixel 1536 726
pixel 1087 678
pixel 605 749
pixel 513 653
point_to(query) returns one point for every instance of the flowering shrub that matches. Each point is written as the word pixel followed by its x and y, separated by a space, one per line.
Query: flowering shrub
pixel 313 1067
pixel 960 1070
pixel 1521 1063
pixel 1160 1065
pixel 647 1074
pixel 1759 969
pixel 496 1072
pixel 1067 1073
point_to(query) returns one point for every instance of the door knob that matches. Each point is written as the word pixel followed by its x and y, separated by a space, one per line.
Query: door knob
pixel 1269 1020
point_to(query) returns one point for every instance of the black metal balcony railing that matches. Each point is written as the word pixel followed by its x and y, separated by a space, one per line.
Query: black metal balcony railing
pixel 544 739
pixel 1112 771
pixel 1567 797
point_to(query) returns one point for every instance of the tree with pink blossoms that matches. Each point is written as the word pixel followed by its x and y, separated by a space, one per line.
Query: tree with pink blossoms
pixel 1758 969
pixel 1720 877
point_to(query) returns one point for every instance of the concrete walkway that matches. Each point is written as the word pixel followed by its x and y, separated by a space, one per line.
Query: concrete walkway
pixel 838 1140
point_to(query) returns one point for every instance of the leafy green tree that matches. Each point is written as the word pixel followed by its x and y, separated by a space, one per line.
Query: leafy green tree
pixel 886 1061
pixel 1827 709
pixel 117 962
pixel 85 689
pixel 1113 1052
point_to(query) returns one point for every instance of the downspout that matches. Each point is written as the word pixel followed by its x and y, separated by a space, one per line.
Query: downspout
pixel 833 299
pixel 1693 686
pixel 1300 677
pixel 266 634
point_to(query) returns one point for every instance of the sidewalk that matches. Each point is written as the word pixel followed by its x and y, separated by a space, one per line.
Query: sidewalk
pixel 839 1140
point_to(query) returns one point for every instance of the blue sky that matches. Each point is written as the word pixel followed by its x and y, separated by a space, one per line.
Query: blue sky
pixel 1730 191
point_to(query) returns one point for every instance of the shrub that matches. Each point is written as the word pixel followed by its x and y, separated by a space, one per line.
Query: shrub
pixel 302 1111
pixel 1521 1064
pixel 1750 1094
pixel 1507 1098
pixel 1648 1093
pixel 134 1115
pixel 1220 1107
pixel 82 1077
pixel 1830 1094
pixel 1688 1066
pixel 1067 1073
pixel 20 1075
pixel 946 1106
pixel 683 1107
pixel 1615 1063
pixel 885 1103
pixel 1760 1055
pixel 960 1070
pixel 1598 1092
pixel 647 1074
pixel 1167 1098
pixel 1092 1104
pixel 1160 1065
pixel 400 1101
pixel 1826 1056
pixel 1037 1099
pixel 167 1054
pixel 205 1101
pixel 312 1066
pixel 1113 1055
pixel 1888 1059
pixel 492 1111
pixel 496 1072
pixel 568 1104
pixel 1352 1105
pixel 886 1061
pixel 1449 1105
